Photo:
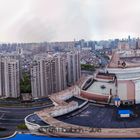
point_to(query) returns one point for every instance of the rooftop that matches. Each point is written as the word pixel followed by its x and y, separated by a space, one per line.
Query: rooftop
pixel 130 60
pixel 35 119
pixel 89 115
pixel 101 117
pixel 79 100
pixel 101 88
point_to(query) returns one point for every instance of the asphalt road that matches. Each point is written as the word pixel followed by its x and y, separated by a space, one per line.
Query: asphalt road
pixel 11 117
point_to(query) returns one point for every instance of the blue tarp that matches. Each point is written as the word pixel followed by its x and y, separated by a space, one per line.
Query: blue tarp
pixel 116 99
pixel 125 112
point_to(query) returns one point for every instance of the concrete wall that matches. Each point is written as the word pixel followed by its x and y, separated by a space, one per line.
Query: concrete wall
pixel 126 90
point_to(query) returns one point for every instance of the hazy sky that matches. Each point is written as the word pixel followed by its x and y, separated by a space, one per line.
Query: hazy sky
pixel 61 20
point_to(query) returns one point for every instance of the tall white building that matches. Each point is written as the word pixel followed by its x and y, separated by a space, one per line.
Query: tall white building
pixel 73 67
pixel 48 75
pixel 9 77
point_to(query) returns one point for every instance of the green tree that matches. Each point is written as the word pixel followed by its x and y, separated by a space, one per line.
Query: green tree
pixel 25 84
pixel 87 67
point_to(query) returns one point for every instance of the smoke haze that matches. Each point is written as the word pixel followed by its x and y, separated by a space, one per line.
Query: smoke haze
pixel 63 20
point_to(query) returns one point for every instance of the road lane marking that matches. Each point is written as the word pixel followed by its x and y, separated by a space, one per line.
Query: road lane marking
pixel 2 116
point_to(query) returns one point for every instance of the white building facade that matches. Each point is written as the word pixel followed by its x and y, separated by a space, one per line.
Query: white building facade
pixel 9 77
pixel 128 77
pixel 48 75
pixel 73 67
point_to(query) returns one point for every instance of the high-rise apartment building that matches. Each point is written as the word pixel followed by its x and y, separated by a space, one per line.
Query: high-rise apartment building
pixel 9 77
pixel 73 67
pixel 48 75
pixel 52 73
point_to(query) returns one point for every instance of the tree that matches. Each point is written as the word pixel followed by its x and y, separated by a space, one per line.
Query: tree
pixel 25 84
pixel 87 67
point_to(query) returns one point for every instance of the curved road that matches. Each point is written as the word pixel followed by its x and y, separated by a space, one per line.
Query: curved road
pixel 11 117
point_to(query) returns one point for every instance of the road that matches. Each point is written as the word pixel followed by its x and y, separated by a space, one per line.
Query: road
pixel 11 117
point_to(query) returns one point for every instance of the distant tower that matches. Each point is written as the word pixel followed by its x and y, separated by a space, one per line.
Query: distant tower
pixel 129 38
pixel 19 51
pixel 137 43
pixel 129 41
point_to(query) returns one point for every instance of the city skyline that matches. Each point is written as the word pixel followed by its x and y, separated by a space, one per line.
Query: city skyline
pixel 52 20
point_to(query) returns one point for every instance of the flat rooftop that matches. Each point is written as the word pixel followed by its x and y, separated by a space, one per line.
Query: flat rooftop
pixel 101 88
pixel 101 117
pixel 78 100
pixel 35 119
